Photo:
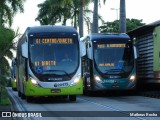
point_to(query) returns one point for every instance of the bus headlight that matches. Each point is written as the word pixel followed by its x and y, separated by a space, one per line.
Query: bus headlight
pixel 132 78
pixel 76 80
pixel 97 78
pixel 34 82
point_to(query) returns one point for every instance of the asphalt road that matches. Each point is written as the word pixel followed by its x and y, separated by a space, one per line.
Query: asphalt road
pixel 98 107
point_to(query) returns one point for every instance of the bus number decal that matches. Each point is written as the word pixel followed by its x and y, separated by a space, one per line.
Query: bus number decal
pixel 61 84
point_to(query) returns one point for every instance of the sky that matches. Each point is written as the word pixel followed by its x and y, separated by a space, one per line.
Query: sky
pixel 147 10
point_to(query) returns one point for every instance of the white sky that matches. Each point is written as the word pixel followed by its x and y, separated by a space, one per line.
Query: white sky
pixel 148 10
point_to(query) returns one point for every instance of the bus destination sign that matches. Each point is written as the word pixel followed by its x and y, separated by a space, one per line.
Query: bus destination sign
pixel 53 41
pixel 111 45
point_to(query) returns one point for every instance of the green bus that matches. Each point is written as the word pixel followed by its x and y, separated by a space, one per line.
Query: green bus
pixel 49 63
pixel 109 63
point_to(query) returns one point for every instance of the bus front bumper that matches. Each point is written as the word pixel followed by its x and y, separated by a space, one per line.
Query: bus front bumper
pixel 32 90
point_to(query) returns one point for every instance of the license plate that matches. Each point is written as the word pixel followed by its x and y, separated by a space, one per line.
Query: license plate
pixel 56 90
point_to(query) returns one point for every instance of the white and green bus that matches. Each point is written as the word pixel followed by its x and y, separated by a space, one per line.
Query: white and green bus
pixel 49 63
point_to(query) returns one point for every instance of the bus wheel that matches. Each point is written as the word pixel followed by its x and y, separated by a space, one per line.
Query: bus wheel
pixel 72 97
pixel 29 98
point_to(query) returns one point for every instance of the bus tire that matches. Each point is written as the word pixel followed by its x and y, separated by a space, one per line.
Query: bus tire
pixel 29 99
pixel 72 97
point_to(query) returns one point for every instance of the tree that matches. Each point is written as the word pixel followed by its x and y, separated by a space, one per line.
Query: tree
pixel 113 27
pixel 81 18
pixel 6 43
pixel 52 12
pixel 8 8
pixel 95 16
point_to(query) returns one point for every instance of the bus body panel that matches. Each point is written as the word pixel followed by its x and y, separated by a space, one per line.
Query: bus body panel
pixel 115 83
pixel 31 90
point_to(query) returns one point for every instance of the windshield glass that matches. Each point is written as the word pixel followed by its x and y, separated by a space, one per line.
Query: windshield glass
pixel 113 58
pixel 57 56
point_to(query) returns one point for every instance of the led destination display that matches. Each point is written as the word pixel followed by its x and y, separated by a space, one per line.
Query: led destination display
pixel 53 41
pixel 111 45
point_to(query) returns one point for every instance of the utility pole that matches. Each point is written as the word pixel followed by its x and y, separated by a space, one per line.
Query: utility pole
pixel 117 10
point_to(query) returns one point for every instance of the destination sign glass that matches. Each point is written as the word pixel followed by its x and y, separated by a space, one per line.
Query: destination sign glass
pixel 45 63
pixel 106 64
pixel 53 41
pixel 111 45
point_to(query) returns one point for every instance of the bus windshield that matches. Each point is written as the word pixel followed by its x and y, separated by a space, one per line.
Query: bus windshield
pixel 114 58
pixel 56 56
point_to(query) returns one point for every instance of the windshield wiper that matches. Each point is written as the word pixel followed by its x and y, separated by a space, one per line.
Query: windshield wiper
pixel 59 71
pixel 114 70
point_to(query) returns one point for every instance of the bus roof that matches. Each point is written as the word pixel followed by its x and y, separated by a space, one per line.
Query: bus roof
pixel 50 28
pixel 109 36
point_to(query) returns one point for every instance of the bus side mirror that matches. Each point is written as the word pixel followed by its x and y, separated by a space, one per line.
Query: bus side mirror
pixel 82 49
pixel 24 48
pixel 136 55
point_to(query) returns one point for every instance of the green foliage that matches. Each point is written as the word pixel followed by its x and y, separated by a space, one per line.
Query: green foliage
pixel 113 27
pixel 6 43
pixel 4 100
pixel 6 37
pixel 55 11
pixel 8 8
pixel 133 23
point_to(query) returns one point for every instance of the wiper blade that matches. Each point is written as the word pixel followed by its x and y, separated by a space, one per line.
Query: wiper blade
pixel 59 71
pixel 114 70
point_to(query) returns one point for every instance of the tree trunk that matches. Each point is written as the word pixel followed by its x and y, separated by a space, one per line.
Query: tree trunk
pixel 122 24
pixel 95 18
pixel 81 19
